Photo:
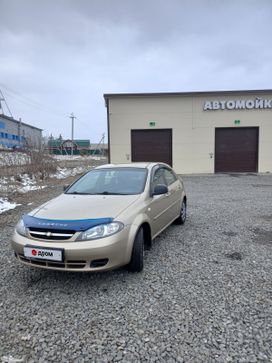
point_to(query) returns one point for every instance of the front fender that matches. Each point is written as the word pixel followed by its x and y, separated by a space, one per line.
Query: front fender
pixel 139 220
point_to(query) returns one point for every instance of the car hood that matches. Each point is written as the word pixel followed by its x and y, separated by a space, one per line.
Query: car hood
pixel 75 207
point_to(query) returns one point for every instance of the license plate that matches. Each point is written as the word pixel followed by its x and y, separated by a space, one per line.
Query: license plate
pixel 42 253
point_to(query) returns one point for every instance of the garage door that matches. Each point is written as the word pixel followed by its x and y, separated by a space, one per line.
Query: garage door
pixel 236 149
pixel 152 145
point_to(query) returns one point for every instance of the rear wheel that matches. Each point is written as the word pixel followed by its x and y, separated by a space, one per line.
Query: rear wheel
pixel 137 257
pixel 183 212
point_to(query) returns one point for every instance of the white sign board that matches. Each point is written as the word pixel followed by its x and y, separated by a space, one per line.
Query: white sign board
pixel 257 103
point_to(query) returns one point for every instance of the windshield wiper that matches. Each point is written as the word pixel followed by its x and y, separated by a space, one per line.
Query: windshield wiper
pixel 111 193
pixel 102 193
pixel 78 193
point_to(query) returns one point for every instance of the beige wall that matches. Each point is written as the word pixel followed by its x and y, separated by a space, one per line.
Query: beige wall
pixel 193 128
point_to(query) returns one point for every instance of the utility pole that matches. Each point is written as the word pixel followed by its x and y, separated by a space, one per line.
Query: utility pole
pixel 72 117
pixel 101 142
pixel 1 108
pixel 19 130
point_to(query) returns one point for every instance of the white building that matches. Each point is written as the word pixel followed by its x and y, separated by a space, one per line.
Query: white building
pixel 17 134
pixel 195 132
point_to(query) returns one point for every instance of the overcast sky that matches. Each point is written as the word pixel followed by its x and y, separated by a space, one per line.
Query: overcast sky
pixel 61 56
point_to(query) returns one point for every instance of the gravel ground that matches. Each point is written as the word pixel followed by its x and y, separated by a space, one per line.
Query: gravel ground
pixel 204 296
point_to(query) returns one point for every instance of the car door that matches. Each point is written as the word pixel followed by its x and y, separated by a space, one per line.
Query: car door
pixel 158 209
pixel 174 193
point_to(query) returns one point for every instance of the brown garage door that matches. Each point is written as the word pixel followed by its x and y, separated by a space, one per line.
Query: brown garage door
pixel 152 145
pixel 236 149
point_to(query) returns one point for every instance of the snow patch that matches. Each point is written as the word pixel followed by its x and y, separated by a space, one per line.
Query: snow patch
pixel 13 158
pixel 28 184
pixel 11 359
pixel 63 173
pixel 6 205
pixel 78 157
pixel 23 184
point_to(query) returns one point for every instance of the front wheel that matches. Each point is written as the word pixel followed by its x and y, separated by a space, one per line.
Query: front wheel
pixel 183 211
pixel 137 257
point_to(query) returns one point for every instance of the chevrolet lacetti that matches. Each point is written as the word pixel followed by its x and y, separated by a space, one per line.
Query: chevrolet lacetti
pixel 105 219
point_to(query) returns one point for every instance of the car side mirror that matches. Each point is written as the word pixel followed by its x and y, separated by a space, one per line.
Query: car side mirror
pixel 160 189
pixel 65 187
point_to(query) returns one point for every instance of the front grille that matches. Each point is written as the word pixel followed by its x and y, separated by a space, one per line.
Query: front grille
pixel 51 234
pixel 80 264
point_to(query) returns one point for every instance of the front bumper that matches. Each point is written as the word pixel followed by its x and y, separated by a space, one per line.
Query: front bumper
pixel 97 255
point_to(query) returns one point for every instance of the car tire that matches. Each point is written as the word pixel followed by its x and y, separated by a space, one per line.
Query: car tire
pixel 183 211
pixel 137 256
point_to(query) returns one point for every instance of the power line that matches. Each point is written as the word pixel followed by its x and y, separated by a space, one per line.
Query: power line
pixel 3 99
pixel 18 99
pixel 17 96
pixel 30 102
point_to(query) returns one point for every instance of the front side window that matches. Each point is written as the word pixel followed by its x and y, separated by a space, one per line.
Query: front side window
pixel 169 176
pixel 158 177
pixel 122 181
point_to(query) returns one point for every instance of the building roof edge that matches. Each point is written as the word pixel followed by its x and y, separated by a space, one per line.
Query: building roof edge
pixel 19 122
pixel 193 93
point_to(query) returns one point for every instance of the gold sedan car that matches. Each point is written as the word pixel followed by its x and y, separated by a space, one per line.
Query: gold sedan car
pixel 104 220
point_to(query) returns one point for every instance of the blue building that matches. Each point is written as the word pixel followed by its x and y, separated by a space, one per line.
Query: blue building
pixel 17 134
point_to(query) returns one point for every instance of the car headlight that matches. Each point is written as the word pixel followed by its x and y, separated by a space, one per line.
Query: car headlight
pixel 20 228
pixel 101 231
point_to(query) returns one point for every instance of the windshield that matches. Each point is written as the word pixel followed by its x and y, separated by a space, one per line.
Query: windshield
pixel 119 181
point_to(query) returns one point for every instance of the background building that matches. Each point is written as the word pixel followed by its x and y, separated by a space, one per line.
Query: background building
pixel 195 132
pixel 17 134
pixel 80 147
pixel 64 147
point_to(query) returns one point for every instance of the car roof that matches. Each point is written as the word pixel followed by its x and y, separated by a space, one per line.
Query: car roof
pixel 146 165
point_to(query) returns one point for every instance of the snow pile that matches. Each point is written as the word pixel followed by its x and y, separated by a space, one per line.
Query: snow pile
pixel 98 158
pixel 28 184
pixel 63 173
pixel 67 157
pixel 78 157
pixel 6 205
pixel 11 359
pixel 7 184
pixel 23 184
pixel 5 180
pixel 13 158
